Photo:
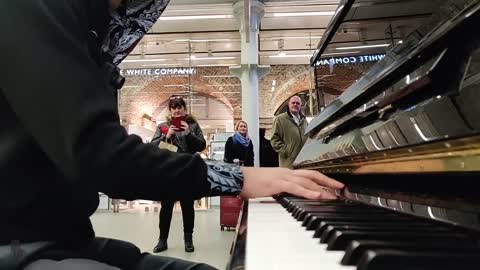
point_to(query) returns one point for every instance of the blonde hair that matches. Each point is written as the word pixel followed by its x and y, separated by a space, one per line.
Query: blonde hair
pixel 238 124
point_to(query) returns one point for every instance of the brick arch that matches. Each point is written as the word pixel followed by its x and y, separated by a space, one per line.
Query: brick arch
pixel 333 81
pixel 336 80
pixel 296 84
pixel 152 91
pixel 164 103
pixel 331 91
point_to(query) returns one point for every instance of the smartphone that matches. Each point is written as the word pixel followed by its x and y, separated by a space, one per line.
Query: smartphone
pixel 176 121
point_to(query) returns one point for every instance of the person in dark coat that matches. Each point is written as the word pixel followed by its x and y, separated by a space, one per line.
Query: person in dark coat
pixel 188 140
pixel 239 146
pixel 268 156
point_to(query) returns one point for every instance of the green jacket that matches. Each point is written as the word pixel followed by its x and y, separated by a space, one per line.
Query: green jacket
pixel 191 143
pixel 288 138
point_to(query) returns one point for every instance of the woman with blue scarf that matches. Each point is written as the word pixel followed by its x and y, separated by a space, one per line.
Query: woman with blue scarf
pixel 239 146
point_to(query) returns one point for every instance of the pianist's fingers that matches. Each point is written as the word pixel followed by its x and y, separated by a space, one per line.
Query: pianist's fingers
pixel 319 178
pixel 298 190
pixel 261 182
pixel 305 182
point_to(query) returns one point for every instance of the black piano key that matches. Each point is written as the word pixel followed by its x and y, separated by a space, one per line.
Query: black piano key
pixel 357 248
pixel 324 224
pixel 392 228
pixel 313 222
pixel 339 240
pixel 298 201
pixel 312 204
pixel 307 212
pixel 401 260
pixel 319 213
pixel 301 209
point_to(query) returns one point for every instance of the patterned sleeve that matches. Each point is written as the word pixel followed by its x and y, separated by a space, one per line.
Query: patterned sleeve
pixel 225 179
pixel 129 24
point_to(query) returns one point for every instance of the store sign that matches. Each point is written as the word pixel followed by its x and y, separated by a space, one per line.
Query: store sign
pixel 350 59
pixel 157 71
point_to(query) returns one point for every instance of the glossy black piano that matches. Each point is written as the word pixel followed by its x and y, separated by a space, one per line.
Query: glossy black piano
pixel 404 137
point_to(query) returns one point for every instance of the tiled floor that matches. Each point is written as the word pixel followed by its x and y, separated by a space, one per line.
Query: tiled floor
pixel 212 246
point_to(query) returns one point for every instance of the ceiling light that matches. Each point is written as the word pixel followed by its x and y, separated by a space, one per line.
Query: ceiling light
pixel 203 40
pixel 273 88
pixel 213 58
pixel 154 65
pixel 339 53
pixel 400 42
pixel 302 37
pixel 274 82
pixel 195 17
pixel 363 47
pixel 142 60
pixel 284 55
pixel 216 65
pixel 297 14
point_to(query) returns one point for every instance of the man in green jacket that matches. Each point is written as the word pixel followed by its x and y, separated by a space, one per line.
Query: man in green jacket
pixel 288 133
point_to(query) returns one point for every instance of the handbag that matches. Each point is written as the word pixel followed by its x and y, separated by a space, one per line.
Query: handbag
pixel 168 146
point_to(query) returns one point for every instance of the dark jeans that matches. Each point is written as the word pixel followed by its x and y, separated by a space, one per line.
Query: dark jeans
pixel 116 253
pixel 188 214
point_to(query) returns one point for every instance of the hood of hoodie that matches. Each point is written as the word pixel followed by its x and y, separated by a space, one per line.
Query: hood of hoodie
pixel 128 24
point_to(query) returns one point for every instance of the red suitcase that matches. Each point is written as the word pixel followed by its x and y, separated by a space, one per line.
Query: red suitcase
pixel 229 211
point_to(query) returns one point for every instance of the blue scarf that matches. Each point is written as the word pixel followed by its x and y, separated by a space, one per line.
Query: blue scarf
pixel 244 141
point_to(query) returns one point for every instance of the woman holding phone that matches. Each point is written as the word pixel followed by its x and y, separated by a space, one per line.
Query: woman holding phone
pixel 183 132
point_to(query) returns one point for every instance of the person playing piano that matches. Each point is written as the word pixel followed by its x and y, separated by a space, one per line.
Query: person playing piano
pixel 61 141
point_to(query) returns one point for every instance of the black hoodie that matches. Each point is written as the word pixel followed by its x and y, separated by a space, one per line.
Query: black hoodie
pixel 60 140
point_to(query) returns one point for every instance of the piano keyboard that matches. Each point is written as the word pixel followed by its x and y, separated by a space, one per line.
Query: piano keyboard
pixel 295 233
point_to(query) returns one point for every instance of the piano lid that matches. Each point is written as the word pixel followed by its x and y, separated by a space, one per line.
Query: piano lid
pixel 387 30
pixel 363 22
pixel 422 94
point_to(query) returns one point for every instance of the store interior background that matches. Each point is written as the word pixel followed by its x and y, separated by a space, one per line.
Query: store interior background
pixel 191 49
pixel 194 45
pixel 203 39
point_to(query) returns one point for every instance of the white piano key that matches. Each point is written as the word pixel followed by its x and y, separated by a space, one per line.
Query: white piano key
pixel 275 240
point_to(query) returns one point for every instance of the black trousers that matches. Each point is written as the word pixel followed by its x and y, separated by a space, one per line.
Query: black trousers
pixel 188 214
pixel 115 253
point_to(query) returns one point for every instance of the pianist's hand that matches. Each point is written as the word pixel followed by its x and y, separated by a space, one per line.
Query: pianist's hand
pixel 262 182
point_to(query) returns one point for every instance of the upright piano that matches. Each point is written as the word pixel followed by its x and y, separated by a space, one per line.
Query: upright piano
pixel 404 138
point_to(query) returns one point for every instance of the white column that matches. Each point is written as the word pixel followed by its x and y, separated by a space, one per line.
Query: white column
pixel 250 72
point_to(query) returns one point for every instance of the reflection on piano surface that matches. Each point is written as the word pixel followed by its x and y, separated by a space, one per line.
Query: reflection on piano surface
pixel 405 138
